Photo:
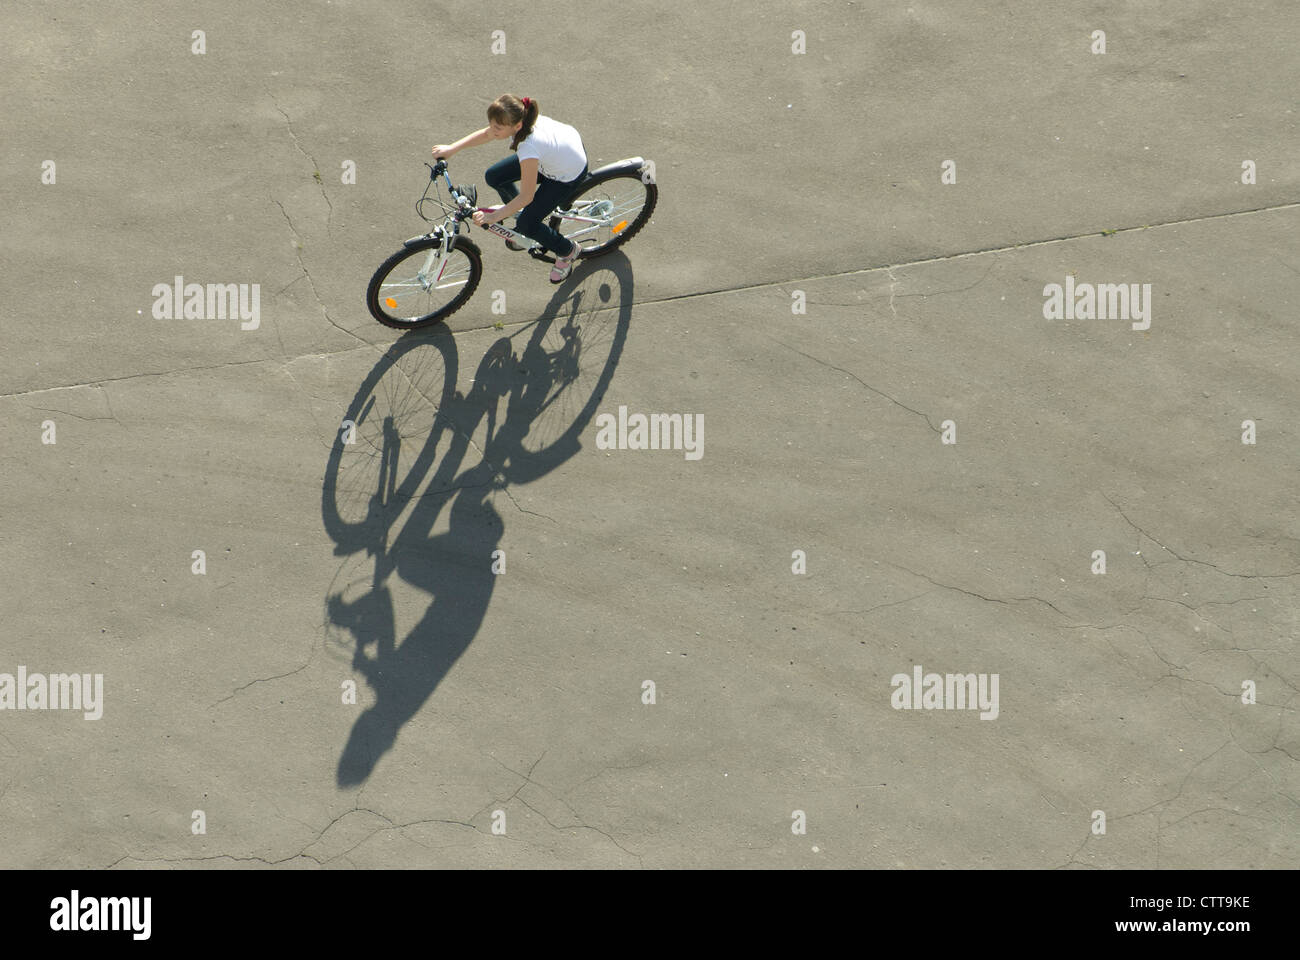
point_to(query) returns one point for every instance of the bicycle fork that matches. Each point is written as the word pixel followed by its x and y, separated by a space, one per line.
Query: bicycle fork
pixel 436 256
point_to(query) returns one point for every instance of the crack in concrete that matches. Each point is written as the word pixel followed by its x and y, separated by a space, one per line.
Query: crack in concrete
pixel 1232 740
pixel 971 593
pixel 164 373
pixel 894 281
pixel 108 402
pixel 600 773
pixel 391 825
pixel 1254 755
pixel 297 279
pixel 879 606
pixel 1159 803
pixel 583 826
pixel 528 780
pixel 219 856
pixel 1236 813
pixel 74 416
pixel 521 509
pixel 320 432
pixel 850 373
pixel 527 777
pixel 278 676
pixel 1260 767
pixel 314 165
pixel 297 252
pixel 394 826
pixel 275 325
pixel 1175 554
pixel 1072 862
pixel 1209 623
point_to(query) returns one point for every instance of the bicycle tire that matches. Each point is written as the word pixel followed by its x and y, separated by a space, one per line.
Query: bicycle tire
pixel 642 217
pixel 463 245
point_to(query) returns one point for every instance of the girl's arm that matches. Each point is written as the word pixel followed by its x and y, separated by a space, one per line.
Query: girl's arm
pixel 473 140
pixel 527 188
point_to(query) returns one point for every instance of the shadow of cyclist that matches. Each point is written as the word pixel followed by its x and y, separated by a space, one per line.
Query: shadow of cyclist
pixel 455 566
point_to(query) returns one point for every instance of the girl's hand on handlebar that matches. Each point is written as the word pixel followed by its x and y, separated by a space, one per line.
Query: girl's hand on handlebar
pixel 442 150
pixel 483 218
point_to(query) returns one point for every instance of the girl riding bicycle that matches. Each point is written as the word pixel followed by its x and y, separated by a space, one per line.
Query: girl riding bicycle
pixel 549 160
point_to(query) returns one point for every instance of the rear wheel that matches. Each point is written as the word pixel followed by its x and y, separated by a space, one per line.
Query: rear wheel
pixel 606 212
pixel 412 288
pixel 565 370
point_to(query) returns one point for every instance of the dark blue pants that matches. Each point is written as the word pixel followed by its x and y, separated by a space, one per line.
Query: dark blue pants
pixel 503 176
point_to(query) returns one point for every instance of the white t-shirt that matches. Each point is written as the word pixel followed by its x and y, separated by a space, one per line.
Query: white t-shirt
pixel 556 147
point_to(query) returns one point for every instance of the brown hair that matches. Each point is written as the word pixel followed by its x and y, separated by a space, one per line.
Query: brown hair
pixel 508 110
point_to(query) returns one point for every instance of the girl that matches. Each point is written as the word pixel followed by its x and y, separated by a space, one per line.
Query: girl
pixel 549 159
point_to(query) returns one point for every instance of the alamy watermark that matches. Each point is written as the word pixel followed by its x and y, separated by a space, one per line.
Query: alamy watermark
pixel 58 691
pixel 951 691
pixel 658 431
pixel 1102 301
pixel 77 913
pixel 214 301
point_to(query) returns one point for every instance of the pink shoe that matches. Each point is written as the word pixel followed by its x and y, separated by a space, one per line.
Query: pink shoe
pixel 564 264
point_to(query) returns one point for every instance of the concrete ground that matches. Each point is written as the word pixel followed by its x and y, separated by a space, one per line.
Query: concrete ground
pixel 810 287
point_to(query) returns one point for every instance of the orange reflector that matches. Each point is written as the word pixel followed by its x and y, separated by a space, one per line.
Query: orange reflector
pixel 622 225
pixel 390 303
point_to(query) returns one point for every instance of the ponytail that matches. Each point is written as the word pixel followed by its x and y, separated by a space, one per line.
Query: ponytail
pixel 531 110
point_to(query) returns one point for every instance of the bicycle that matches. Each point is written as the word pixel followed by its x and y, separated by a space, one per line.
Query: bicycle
pixel 605 210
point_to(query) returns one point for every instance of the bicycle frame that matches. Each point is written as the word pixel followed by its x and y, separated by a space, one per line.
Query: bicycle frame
pixel 450 228
pixel 574 214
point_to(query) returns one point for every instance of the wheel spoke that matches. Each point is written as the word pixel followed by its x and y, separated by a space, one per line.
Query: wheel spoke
pixel 408 294
pixel 619 202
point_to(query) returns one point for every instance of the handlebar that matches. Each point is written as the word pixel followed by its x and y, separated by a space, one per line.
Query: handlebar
pixel 465 197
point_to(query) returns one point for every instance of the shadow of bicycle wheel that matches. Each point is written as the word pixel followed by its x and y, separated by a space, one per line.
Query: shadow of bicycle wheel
pixel 532 405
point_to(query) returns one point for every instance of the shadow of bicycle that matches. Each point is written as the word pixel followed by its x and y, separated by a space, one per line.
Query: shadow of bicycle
pixel 532 407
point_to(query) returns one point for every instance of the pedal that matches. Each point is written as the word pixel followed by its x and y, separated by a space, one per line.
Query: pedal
pixel 537 253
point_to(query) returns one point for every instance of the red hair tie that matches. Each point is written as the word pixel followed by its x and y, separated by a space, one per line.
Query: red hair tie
pixel 526 102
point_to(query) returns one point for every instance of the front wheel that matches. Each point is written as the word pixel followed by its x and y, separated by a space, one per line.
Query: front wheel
pixel 415 288
pixel 606 212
